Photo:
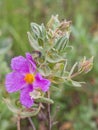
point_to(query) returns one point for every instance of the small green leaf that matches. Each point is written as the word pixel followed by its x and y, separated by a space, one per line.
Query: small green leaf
pixel 41 42
pixel 44 33
pixel 60 67
pixel 23 113
pixel 36 29
pixel 75 83
pixel 72 69
pixel 10 106
pixel 57 80
pixel 39 31
pixel 45 70
pixel 53 57
pixel 44 100
pixel 33 42
pixel 61 43
pixel 33 112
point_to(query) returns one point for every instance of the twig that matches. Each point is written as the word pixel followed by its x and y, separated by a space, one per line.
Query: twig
pixel 31 122
pixel 18 122
pixel 48 112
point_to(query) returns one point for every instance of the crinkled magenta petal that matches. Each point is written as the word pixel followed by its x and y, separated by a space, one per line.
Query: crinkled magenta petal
pixel 14 82
pixel 25 98
pixel 41 83
pixel 20 64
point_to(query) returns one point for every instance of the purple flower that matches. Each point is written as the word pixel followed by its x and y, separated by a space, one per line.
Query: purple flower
pixel 24 78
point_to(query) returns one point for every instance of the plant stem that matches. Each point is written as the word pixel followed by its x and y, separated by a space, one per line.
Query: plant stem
pixel 18 122
pixel 48 112
pixel 75 74
pixel 31 122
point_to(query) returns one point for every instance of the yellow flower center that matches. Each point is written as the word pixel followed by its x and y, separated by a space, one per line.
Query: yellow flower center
pixel 29 78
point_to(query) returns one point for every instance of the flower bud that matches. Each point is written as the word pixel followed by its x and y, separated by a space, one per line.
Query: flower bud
pixel 86 65
pixel 65 25
pixel 53 22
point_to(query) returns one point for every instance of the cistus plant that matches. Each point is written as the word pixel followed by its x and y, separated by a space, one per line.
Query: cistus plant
pixel 42 70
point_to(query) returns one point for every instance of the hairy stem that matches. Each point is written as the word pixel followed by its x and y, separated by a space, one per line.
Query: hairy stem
pixel 48 112
pixel 18 122
pixel 31 122
pixel 75 74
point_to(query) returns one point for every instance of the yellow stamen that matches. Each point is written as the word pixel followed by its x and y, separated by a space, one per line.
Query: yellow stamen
pixel 29 78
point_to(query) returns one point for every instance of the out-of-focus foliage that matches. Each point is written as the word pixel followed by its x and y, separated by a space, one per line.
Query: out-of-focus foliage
pixel 77 108
pixel 15 17
pixel 5 46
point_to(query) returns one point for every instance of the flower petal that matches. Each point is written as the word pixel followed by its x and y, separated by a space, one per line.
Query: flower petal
pixel 41 82
pixel 14 81
pixel 32 63
pixel 20 64
pixel 25 98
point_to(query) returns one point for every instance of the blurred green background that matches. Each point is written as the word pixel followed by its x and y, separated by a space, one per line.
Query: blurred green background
pixel 78 107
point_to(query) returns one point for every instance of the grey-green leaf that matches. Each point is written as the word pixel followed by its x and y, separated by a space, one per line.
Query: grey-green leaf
pixel 33 42
pixel 53 57
pixel 61 43
pixel 44 100
pixel 45 70
pixel 23 113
